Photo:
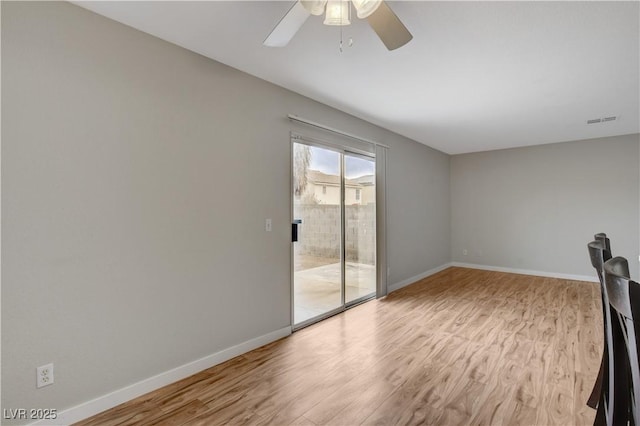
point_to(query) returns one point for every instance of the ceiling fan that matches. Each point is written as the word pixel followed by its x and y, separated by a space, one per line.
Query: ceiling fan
pixel 384 22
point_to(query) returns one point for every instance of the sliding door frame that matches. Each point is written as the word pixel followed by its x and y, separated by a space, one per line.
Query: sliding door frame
pixel 342 150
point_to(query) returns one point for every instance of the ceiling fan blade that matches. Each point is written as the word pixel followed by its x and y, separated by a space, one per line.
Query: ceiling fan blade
pixel 386 24
pixel 288 26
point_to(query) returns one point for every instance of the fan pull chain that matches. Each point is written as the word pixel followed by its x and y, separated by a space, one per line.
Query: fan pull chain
pixel 341 18
pixel 350 42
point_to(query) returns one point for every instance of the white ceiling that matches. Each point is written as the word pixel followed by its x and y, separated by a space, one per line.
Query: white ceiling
pixel 477 76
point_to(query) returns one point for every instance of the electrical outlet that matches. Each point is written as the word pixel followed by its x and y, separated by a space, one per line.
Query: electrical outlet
pixel 464 252
pixel 44 375
pixel 267 225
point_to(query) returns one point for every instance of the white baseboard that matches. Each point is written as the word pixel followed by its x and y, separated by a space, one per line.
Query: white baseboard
pixel 404 283
pixel 110 400
pixel 433 271
pixel 527 272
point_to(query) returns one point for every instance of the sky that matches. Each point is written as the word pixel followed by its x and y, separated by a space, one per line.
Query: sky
pixel 329 162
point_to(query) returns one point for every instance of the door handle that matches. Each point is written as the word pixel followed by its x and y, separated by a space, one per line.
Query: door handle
pixel 294 229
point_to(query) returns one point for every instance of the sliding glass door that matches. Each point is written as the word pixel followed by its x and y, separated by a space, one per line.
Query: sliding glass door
pixel 317 253
pixel 360 227
pixel 333 231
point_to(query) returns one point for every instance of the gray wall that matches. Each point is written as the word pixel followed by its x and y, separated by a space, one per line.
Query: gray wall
pixel 536 208
pixel 136 177
pixel 412 172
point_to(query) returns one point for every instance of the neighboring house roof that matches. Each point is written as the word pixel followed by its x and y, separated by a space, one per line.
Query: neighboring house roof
pixel 318 178
pixel 365 180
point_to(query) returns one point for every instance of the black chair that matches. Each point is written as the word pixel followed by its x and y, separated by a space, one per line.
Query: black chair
pixel 597 387
pixel 601 236
pixel 624 300
pixel 603 389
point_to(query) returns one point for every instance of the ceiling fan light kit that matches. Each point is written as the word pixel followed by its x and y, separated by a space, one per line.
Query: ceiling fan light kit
pixel 315 7
pixel 365 8
pixel 378 14
pixel 338 13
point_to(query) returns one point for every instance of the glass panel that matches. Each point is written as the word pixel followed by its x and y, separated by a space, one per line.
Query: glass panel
pixel 360 227
pixel 316 255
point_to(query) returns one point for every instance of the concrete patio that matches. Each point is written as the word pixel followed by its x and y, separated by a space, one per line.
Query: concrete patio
pixel 317 289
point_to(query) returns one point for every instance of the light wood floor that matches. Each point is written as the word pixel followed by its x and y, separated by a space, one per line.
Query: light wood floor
pixel 460 347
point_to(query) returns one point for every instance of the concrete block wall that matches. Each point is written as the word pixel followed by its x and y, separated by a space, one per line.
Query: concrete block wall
pixel 319 233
